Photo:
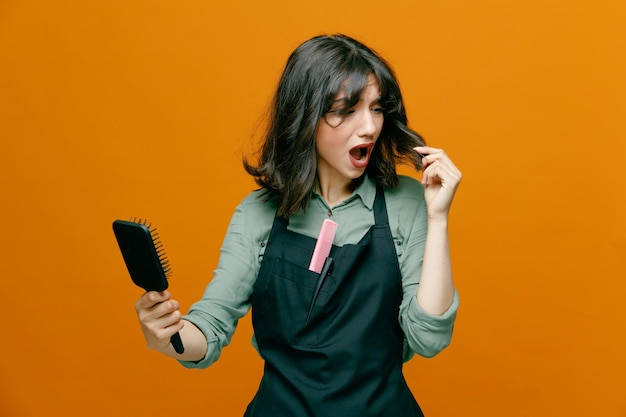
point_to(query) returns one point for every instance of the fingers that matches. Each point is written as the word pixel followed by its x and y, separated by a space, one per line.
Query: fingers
pixel 438 167
pixel 426 150
pixel 430 154
pixel 435 173
pixel 159 317
pixel 440 178
pixel 154 305
pixel 151 298
pixel 441 172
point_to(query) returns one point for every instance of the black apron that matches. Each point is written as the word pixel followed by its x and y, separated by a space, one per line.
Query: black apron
pixel 347 359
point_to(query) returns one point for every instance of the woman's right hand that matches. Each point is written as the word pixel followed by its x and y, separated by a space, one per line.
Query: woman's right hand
pixel 159 317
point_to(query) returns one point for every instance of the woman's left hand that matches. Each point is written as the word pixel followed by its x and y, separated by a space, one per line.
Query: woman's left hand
pixel 440 179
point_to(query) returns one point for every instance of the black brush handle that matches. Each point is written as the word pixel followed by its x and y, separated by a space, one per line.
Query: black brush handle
pixel 177 343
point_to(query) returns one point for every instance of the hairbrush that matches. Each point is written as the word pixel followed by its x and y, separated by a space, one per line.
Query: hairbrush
pixel 145 259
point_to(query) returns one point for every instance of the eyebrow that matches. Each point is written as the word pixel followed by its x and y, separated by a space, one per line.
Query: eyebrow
pixel 345 99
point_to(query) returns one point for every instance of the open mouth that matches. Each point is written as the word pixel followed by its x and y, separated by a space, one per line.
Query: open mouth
pixel 360 155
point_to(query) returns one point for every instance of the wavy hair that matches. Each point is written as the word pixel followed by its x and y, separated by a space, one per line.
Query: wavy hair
pixel 315 73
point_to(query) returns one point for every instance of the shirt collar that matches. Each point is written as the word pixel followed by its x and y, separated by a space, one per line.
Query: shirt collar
pixel 367 191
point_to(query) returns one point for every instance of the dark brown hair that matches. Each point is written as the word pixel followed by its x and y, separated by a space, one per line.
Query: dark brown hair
pixel 314 75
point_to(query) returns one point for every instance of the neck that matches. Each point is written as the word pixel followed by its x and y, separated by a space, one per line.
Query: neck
pixel 334 193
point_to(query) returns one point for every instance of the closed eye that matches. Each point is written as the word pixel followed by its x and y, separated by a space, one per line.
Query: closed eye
pixel 341 111
pixel 377 107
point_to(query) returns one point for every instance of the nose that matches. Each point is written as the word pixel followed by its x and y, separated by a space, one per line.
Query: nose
pixel 367 124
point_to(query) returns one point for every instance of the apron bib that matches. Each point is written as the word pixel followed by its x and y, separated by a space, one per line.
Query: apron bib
pixel 347 359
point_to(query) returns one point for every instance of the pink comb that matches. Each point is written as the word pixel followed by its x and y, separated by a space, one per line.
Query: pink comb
pixel 323 245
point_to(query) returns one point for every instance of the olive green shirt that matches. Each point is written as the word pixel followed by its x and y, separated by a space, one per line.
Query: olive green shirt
pixel 227 297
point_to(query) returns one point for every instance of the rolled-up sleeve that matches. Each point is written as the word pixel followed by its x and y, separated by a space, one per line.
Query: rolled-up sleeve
pixel 426 334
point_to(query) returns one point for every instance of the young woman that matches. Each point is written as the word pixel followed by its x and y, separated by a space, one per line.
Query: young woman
pixel 338 128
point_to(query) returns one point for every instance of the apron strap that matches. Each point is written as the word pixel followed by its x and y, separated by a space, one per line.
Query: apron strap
pixel 280 223
pixel 380 208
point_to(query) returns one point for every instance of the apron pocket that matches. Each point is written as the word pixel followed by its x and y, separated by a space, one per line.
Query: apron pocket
pixel 286 300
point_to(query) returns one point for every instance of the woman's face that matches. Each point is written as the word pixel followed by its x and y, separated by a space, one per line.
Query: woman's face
pixel 345 137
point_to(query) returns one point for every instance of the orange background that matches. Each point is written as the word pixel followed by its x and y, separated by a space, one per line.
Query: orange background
pixel 144 108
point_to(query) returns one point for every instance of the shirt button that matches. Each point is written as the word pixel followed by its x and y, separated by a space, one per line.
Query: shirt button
pixel 330 213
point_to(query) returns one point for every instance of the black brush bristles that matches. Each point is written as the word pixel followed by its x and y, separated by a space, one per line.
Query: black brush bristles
pixel 158 246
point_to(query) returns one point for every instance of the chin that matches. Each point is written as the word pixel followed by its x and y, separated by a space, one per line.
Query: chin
pixel 356 173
